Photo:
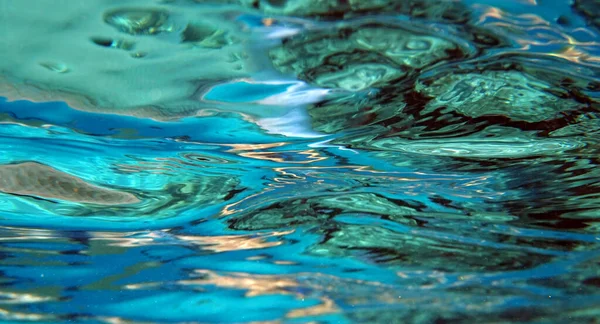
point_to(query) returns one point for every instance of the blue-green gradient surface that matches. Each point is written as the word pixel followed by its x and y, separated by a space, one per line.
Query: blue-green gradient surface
pixel 198 161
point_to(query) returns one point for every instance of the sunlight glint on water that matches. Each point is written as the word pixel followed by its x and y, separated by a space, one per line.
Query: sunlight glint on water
pixel 243 161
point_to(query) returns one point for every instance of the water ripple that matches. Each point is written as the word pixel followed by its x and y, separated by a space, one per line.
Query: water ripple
pixel 383 161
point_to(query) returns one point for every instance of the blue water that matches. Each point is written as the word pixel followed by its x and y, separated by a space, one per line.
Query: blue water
pixel 274 209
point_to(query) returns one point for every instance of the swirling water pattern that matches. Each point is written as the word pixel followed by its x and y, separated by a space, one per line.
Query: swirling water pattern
pixel 261 161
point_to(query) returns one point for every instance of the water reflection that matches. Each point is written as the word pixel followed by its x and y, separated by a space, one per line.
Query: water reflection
pixel 300 161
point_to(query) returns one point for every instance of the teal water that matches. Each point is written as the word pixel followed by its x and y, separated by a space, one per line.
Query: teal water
pixel 261 161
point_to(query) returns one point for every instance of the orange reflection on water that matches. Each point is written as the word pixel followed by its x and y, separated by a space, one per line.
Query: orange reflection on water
pixel 227 243
pixel 359 168
pixel 256 285
pixel 311 156
pixel 252 147
pixel 125 239
pixel 11 315
pixel 20 298
pixel 223 243
pixel 118 320
pixel 492 12
pixel 572 54
pixel 268 21
pixel 510 19
pixel 327 306
pixel 229 209
pixel 533 19
pixel 279 182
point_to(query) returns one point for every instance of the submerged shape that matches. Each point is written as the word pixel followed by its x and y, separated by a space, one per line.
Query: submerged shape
pixel 172 200
pixel 361 56
pixel 506 93
pixel 36 179
pixel 137 21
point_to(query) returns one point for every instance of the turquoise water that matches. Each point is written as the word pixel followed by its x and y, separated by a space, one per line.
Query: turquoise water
pixel 300 161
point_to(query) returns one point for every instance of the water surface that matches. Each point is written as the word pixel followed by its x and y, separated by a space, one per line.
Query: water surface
pixel 243 161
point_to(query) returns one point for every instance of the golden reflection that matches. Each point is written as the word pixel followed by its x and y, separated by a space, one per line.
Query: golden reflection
pixel 118 320
pixel 223 243
pixel 359 168
pixel 534 19
pixel 255 285
pixel 509 20
pixel 534 26
pixel 227 243
pixel 125 239
pixel 268 21
pixel 490 12
pixel 284 172
pixel 572 41
pixel 541 41
pixel 11 315
pixel 252 147
pixel 237 147
pixel 411 181
pixel 572 54
pixel 311 156
pixel 19 298
pixel 229 209
pixel 327 306
pixel 7 120
pixel 331 287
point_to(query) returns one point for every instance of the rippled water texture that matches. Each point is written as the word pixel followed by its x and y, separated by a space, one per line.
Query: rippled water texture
pixel 324 161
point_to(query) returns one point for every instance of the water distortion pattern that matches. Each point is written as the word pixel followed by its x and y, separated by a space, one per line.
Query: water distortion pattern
pixel 323 161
